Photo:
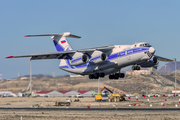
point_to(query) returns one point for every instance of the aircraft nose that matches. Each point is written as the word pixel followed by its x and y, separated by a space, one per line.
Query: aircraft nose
pixel 152 50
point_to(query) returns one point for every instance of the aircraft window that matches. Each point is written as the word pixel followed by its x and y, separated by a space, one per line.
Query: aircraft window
pixel 147 45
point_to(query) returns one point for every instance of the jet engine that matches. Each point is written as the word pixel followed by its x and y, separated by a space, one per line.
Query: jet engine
pixel 98 57
pixel 152 62
pixel 79 59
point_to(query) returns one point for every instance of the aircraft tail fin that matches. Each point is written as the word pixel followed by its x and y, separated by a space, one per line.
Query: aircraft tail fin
pixel 59 40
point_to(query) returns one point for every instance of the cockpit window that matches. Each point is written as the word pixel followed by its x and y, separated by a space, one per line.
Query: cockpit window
pixel 145 45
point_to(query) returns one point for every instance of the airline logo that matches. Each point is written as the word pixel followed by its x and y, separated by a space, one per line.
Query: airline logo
pixel 64 41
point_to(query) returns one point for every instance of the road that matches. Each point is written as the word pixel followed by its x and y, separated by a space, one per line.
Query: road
pixel 95 109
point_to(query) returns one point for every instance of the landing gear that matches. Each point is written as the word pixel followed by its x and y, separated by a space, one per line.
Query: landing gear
pixel 96 75
pixel 135 67
pixel 116 76
pixel 122 75
pixel 101 74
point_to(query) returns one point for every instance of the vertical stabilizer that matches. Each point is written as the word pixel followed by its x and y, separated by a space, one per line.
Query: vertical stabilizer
pixel 61 42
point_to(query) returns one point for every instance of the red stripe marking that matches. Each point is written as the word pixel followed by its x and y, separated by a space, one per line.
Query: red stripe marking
pixel 9 57
pixel 27 35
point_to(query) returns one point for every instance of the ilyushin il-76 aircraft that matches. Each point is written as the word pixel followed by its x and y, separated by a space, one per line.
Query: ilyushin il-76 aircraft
pixel 98 61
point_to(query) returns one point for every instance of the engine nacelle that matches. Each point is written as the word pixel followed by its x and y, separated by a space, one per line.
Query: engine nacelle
pixel 98 57
pixel 152 62
pixel 79 59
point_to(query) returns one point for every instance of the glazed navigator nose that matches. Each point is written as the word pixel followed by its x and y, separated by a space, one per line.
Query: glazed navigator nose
pixel 152 50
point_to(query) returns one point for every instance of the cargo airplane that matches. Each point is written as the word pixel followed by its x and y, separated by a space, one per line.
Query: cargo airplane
pixel 98 61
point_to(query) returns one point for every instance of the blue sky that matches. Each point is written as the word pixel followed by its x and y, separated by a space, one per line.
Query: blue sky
pixel 98 22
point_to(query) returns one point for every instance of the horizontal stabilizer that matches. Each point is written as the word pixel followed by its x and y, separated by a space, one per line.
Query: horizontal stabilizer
pixel 66 34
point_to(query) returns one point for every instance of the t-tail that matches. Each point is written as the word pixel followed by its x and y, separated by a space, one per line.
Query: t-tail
pixel 59 40
pixel 60 43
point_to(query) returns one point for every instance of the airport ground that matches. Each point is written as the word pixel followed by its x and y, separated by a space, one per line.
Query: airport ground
pixel 36 114
pixel 89 115
pixel 131 84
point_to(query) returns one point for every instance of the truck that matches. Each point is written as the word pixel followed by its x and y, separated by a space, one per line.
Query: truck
pixel 113 97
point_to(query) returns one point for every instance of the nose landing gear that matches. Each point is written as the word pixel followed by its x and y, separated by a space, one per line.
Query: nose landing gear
pixel 135 67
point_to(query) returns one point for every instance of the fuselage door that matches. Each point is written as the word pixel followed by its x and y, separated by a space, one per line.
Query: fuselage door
pixel 127 56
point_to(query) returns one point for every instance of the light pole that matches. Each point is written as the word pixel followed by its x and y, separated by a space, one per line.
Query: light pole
pixel 99 85
pixel 56 86
pixel 175 75
pixel 31 76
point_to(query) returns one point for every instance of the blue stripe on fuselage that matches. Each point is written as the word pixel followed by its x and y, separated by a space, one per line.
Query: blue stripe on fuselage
pixel 110 57
pixel 113 56
pixel 127 52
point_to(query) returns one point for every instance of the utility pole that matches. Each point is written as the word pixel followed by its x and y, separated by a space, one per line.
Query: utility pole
pixel 56 86
pixel 175 75
pixel 98 85
pixel 18 75
pixel 146 89
pixel 165 69
pixel 31 76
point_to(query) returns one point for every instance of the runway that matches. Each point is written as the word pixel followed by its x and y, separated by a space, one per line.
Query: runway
pixel 94 109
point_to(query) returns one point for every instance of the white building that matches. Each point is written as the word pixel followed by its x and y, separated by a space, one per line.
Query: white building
pixel 89 94
pixel 138 72
pixel 42 93
pixel 76 76
pixel 70 93
pixel 177 91
pixel 55 94
pixel 7 94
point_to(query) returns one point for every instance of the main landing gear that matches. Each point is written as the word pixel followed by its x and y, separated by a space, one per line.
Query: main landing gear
pixel 96 75
pixel 116 76
pixel 112 76
pixel 135 67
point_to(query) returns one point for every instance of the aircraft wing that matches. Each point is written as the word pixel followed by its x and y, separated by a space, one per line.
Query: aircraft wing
pixel 163 59
pixel 63 54
pixel 102 49
pixel 58 55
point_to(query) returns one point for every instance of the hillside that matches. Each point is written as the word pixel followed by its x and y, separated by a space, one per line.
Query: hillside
pixel 130 84
pixel 170 68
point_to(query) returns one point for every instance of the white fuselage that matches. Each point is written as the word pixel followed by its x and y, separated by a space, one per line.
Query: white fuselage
pixel 120 56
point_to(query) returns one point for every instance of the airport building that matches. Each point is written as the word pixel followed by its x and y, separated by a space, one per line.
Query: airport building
pixel 69 93
pixel 138 72
pixel 87 93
